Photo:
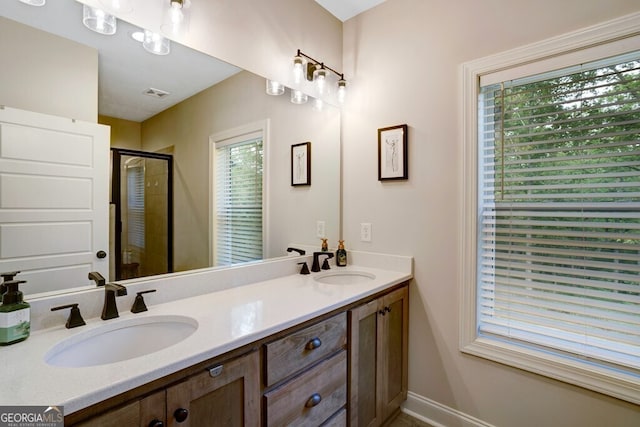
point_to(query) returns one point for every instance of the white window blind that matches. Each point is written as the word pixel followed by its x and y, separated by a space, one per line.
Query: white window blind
pixel 135 204
pixel 559 199
pixel 239 176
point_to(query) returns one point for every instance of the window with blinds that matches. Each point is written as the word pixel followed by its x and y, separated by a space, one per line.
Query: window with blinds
pixel 559 205
pixel 239 180
pixel 135 204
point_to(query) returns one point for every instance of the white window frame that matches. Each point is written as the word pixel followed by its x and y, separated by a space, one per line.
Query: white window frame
pixel 221 138
pixel 607 39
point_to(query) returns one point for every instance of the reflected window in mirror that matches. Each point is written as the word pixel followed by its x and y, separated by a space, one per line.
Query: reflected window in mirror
pixel 238 213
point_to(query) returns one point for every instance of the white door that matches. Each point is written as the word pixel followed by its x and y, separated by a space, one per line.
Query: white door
pixel 54 199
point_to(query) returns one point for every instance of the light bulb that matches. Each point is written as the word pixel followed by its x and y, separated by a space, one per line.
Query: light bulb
pixel 298 69
pixel 320 77
pixel 342 90
pixel 155 43
pixel 176 18
pixel 98 20
pixel 298 97
pixel 274 88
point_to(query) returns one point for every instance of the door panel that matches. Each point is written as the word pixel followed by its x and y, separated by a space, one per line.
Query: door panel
pixel 54 201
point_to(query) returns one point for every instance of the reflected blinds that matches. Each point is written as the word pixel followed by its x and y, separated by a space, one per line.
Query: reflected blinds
pixel 559 243
pixel 239 201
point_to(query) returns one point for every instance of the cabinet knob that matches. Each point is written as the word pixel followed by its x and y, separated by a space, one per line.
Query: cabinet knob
pixel 156 423
pixel 382 312
pixel 387 309
pixel 313 344
pixel 314 400
pixel 180 414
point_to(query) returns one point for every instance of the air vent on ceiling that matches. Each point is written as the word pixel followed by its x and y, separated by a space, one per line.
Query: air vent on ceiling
pixel 156 93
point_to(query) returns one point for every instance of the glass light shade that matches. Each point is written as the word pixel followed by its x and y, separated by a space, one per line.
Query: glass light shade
pixel 298 69
pixel 318 104
pixel 176 18
pixel 34 2
pixel 274 88
pixel 117 6
pixel 298 97
pixel 155 43
pixel 342 90
pixel 320 77
pixel 98 20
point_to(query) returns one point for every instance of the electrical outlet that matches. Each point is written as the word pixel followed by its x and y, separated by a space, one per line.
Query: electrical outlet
pixel 365 231
pixel 320 231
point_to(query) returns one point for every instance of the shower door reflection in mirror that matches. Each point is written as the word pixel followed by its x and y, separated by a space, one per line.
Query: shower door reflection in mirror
pixel 142 193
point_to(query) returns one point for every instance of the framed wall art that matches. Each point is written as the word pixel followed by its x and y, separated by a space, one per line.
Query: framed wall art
pixel 301 164
pixel 392 153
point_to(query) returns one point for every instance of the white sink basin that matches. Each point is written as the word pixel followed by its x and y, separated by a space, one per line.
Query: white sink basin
pixel 116 341
pixel 347 277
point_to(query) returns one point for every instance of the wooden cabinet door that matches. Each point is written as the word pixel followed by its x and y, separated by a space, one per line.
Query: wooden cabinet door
pixel 145 412
pixel 393 360
pixel 226 395
pixel 378 358
pixel 364 387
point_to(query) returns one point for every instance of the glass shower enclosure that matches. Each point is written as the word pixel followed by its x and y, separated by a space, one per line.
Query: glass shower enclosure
pixel 142 213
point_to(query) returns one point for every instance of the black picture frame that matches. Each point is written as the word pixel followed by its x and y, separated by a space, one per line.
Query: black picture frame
pixel 301 164
pixel 393 153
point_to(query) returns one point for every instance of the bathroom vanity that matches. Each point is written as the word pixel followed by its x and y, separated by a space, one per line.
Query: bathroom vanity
pixel 328 348
pixel 299 376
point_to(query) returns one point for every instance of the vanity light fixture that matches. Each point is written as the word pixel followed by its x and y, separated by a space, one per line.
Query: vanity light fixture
pixel 152 42
pixel 34 2
pixel 98 20
pixel 176 17
pixel 155 43
pixel 274 88
pixel 316 71
pixel 298 97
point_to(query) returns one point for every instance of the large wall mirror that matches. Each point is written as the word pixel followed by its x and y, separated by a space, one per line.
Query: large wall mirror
pixel 186 119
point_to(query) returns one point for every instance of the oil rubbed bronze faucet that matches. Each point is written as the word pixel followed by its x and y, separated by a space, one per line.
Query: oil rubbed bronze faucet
pixel 315 267
pixel 111 291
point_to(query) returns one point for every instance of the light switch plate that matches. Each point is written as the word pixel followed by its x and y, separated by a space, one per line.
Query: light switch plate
pixel 320 229
pixel 365 231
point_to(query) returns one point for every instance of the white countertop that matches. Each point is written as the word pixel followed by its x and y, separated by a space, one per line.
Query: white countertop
pixel 227 319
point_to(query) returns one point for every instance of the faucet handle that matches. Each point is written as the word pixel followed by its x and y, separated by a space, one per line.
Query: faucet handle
pixel 75 318
pixel 138 304
pixel 305 268
pixel 325 264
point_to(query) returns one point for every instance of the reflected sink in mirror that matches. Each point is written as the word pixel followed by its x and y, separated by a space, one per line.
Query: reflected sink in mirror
pixel 349 277
pixel 121 340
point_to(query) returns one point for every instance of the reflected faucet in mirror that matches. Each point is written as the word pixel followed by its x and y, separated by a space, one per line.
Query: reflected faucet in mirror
pixel 300 251
pixel 97 277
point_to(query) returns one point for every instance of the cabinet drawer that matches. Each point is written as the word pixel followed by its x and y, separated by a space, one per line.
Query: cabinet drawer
pixel 294 404
pixel 298 350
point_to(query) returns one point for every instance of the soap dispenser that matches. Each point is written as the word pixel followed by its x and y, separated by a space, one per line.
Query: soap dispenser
pixel 341 255
pixel 6 277
pixel 15 315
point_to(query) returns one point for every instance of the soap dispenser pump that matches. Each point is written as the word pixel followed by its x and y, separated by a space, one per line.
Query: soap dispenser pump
pixel 15 315
pixel 6 277
pixel 341 255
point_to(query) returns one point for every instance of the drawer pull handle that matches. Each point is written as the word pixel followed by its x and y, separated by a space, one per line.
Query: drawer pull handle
pixel 313 344
pixel 156 423
pixel 180 414
pixel 314 400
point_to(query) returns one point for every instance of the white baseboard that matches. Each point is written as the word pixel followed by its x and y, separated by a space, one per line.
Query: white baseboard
pixel 437 414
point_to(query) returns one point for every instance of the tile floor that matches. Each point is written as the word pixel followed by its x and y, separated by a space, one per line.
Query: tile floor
pixel 404 420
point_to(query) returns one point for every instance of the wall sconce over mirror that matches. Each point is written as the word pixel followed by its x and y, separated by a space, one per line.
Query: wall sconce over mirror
pixel 176 16
pixel 99 21
pixel 317 72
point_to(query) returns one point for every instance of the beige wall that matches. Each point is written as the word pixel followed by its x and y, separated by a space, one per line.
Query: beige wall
pixel 403 59
pixel 291 212
pixel 42 73
pixel 124 133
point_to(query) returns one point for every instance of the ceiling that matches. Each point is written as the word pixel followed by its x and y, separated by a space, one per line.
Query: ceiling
pixel 126 71
pixel 345 9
